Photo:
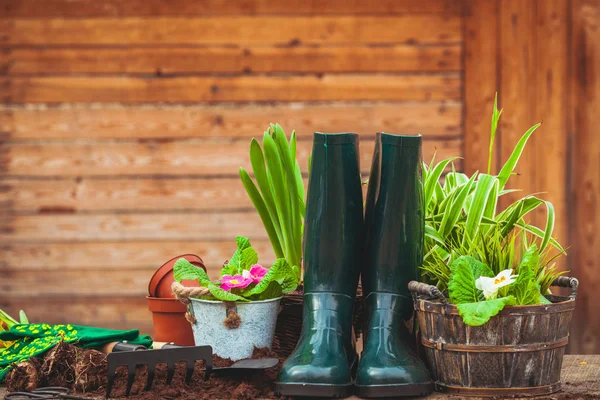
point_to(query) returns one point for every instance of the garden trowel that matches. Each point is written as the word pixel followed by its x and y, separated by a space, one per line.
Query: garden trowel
pixel 130 356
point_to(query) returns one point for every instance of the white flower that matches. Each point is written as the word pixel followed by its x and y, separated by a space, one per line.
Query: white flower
pixel 490 286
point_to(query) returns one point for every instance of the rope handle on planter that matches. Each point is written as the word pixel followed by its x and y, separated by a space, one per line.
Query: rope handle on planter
pixel 426 290
pixel 565 281
pixel 184 293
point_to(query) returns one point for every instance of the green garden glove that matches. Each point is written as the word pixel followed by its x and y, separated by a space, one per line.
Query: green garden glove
pixel 30 340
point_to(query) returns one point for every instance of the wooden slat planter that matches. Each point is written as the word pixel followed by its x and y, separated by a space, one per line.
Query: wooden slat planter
pixel 518 352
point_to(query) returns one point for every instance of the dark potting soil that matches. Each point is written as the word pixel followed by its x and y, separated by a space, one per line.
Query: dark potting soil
pixel 84 371
pixel 239 386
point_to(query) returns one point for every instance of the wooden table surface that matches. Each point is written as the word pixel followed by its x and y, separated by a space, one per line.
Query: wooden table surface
pixel 580 377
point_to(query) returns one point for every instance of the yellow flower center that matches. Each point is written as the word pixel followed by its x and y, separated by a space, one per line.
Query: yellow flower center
pixel 234 281
pixel 499 280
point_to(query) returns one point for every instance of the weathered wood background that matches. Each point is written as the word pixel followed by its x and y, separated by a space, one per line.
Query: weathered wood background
pixel 123 124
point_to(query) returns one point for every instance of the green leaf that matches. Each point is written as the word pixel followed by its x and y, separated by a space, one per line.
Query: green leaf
pixel 430 232
pixel 541 234
pixel 184 270
pixel 273 291
pixel 512 161
pixel 263 212
pixel 452 215
pixel 478 313
pixel 525 289
pixel 7 319
pixel 248 258
pixel 233 266
pixel 495 118
pixel 514 214
pixel 278 181
pixel 257 160
pixel 492 202
pixel 484 186
pixel 433 178
pixel 293 141
pixel 549 225
pixel 465 271
pixel 23 318
pixel 281 272
pixel 223 295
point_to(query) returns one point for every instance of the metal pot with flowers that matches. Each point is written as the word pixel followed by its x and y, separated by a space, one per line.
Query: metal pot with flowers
pixel 489 324
pixel 238 312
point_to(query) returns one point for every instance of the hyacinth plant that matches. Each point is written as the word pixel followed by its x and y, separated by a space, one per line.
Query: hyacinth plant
pixel 277 192
pixel 242 278
pixel 482 258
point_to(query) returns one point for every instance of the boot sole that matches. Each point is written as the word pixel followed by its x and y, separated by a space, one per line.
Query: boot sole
pixel 400 390
pixel 313 390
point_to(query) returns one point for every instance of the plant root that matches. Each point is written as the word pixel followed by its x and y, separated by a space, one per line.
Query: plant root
pixel 25 376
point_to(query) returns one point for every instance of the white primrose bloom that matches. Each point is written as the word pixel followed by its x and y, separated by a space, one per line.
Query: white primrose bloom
pixel 490 286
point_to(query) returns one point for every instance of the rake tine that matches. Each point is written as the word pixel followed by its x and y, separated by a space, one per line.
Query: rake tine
pixel 170 372
pixel 190 364
pixel 130 378
pixel 151 368
pixel 112 370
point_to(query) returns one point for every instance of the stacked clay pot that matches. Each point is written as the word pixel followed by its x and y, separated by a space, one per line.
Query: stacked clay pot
pixel 168 314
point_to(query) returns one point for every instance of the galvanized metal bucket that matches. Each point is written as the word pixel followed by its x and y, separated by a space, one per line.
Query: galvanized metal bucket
pixel 257 327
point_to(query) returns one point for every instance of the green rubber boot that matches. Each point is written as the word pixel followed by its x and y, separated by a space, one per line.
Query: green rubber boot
pixel 322 362
pixel 394 236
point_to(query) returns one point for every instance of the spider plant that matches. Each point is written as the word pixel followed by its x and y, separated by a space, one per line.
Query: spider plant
pixel 277 192
pixel 462 217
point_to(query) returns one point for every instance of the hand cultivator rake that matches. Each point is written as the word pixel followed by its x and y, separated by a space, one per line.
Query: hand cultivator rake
pixel 124 354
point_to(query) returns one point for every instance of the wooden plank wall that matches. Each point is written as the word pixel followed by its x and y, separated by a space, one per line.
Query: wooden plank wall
pixel 544 58
pixel 123 125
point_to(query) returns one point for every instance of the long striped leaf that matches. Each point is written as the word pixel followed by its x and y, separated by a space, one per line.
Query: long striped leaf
pixel 492 203
pixel 515 214
pixel 433 179
pixel 260 206
pixel 512 161
pixel 454 212
pixel 438 194
pixel 484 186
pixel 430 232
pixel 540 234
pixel 495 118
pixel 550 219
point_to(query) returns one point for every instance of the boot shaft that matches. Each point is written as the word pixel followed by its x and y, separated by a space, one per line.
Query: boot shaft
pixel 334 216
pixel 394 221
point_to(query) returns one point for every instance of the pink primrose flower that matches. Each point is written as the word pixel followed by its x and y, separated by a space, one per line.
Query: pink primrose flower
pixel 256 273
pixel 229 282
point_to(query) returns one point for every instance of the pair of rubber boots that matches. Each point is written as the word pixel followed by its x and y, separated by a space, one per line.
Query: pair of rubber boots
pixel 385 247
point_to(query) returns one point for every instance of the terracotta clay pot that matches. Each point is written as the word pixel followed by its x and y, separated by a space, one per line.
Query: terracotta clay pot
pixel 161 281
pixel 170 325
pixel 168 314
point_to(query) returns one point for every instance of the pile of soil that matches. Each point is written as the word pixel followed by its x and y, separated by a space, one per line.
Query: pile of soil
pixel 84 371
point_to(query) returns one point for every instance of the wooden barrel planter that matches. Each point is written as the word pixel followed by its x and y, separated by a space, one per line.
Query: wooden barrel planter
pixel 519 352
